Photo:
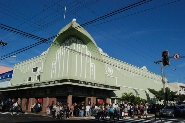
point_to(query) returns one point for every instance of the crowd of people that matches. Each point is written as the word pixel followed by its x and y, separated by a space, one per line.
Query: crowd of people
pixel 112 111
pixel 11 105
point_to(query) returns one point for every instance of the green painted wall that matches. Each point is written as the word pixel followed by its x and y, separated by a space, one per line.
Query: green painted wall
pixel 24 70
pixel 71 57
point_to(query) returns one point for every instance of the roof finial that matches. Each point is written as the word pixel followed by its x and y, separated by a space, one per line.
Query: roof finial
pixel 74 20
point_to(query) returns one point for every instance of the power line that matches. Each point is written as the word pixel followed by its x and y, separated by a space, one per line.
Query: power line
pixel 53 13
pixel 87 23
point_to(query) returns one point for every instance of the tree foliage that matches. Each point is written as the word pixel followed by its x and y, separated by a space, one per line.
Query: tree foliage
pixel 129 97
pixel 180 97
pixel 170 95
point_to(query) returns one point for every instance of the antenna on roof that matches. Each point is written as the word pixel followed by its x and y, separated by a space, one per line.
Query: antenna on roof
pixel 64 12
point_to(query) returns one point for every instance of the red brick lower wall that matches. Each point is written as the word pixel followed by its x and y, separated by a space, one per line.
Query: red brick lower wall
pixel 47 101
pixel 108 100
pixel 32 101
pixel 69 100
pixel 23 104
pixel 52 99
pixel 45 104
pixel 93 100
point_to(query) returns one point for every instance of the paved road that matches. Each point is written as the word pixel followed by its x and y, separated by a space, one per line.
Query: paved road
pixel 5 117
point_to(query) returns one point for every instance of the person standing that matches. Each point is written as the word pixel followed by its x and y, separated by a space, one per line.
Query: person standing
pixel 76 110
pixel 125 111
pixel 87 109
pixel 129 109
pixel 51 108
pixel 72 110
pixel 156 110
pixel 48 109
pixel 141 110
pixel 145 110
pixel 136 109
pixel 111 112
pixel 14 107
pixel 83 110
pixel 66 110
pixel 92 108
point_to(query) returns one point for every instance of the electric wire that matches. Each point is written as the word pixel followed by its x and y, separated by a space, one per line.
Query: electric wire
pixel 87 23
pixel 45 18
pixel 143 52
pixel 23 33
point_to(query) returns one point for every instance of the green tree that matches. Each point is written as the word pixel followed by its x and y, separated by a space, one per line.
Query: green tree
pixel 160 94
pixel 170 95
pixel 138 100
pixel 180 98
pixel 129 97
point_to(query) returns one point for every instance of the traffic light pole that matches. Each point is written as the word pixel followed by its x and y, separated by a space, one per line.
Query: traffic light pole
pixel 163 80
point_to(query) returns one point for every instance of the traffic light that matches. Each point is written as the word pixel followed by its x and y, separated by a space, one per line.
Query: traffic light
pixel 165 58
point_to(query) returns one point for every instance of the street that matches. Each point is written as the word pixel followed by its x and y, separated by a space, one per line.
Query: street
pixel 5 117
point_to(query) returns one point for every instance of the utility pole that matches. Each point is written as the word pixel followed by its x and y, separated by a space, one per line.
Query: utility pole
pixel 163 80
pixel 166 62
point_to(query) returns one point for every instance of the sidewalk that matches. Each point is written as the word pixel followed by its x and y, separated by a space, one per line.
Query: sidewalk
pixel 81 118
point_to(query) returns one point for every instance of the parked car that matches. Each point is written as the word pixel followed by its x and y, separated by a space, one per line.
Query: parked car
pixel 182 107
pixel 172 111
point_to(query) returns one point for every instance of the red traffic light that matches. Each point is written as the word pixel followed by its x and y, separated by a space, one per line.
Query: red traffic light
pixel 164 53
pixel 165 58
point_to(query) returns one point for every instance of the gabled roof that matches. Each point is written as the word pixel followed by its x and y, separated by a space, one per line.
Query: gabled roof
pixel 4 69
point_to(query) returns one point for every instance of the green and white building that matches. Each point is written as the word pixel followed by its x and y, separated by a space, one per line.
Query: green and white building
pixel 75 69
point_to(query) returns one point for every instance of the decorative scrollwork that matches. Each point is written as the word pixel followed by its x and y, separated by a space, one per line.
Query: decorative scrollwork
pixel 109 70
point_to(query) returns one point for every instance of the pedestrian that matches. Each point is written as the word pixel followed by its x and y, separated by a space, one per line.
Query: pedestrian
pixel 145 111
pixel 125 111
pixel 111 112
pixel 14 107
pixel 87 110
pixel 72 110
pixel 141 110
pixel 157 109
pixel 48 109
pixel 132 110
pixel 76 110
pixel 66 110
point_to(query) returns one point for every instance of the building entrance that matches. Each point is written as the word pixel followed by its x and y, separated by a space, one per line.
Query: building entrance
pixel 78 99
pixel 62 99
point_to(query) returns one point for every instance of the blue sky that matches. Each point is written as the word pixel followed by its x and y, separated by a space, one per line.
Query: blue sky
pixel 137 35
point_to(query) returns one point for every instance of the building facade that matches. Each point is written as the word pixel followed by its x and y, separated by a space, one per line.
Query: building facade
pixel 5 81
pixel 179 87
pixel 75 69
pixel 4 69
